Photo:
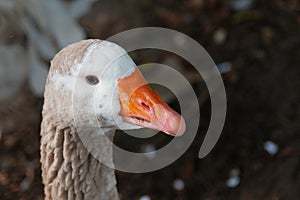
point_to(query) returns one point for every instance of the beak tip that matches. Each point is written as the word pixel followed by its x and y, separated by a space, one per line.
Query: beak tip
pixel 181 127
pixel 177 126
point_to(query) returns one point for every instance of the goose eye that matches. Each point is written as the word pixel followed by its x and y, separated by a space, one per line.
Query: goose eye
pixel 92 79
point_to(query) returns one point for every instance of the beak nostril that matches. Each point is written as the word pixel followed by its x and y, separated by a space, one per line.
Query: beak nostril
pixel 144 105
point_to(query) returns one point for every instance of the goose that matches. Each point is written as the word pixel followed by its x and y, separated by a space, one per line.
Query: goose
pixel 94 83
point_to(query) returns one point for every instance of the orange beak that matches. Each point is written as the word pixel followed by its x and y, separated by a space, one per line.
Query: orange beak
pixel 142 106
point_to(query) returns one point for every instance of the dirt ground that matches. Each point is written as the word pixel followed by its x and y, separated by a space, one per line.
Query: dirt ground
pixel 263 46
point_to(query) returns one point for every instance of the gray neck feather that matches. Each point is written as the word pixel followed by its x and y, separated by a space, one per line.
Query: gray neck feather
pixel 69 171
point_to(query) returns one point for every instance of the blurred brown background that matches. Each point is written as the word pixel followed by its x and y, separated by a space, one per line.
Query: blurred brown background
pixel 258 154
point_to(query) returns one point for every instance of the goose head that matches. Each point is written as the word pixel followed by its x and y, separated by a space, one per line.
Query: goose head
pixel 96 83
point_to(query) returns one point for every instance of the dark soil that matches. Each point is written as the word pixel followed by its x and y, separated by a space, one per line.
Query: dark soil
pixel 263 45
